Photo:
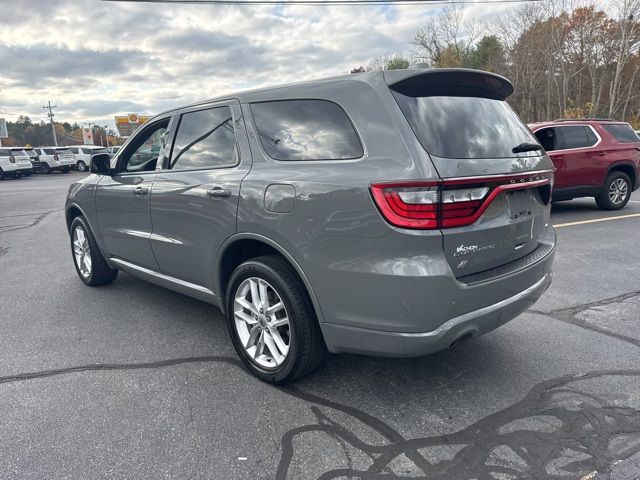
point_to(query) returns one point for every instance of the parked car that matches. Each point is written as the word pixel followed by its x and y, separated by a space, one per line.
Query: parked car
pixel 113 150
pixel 593 158
pixel 14 162
pixel 346 214
pixel 35 159
pixel 55 158
pixel 82 154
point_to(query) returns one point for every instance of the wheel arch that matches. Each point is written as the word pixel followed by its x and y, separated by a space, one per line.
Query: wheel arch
pixel 627 168
pixel 240 247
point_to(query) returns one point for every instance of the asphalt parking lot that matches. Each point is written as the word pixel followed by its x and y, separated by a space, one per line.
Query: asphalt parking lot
pixel 135 381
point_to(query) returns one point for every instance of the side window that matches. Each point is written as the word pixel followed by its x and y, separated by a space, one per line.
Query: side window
pixel 205 139
pixel 142 154
pixel 622 132
pixel 306 130
pixel 74 150
pixel 48 151
pixel 575 136
pixel 547 138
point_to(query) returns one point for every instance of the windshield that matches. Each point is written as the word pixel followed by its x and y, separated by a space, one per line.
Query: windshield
pixel 465 127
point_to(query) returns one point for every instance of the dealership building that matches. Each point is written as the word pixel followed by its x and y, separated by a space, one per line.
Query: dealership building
pixel 127 124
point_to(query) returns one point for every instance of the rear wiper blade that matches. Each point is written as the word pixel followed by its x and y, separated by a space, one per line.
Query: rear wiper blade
pixel 526 147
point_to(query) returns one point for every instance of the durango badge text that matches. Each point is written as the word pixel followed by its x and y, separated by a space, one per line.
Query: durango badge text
pixel 286 207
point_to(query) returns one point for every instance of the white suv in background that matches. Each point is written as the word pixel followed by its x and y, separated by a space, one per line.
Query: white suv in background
pixel 14 162
pixel 55 158
pixel 83 154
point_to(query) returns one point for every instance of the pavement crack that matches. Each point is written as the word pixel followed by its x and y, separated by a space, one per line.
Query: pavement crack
pixel 568 315
pixel 3 251
pixel 34 222
pixel 96 367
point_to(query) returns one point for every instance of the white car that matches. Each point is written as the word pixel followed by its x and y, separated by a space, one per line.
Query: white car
pixel 55 158
pixel 14 162
pixel 83 154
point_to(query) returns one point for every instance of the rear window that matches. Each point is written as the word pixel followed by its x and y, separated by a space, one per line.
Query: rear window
pixel 622 132
pixel 577 137
pixel 465 127
pixel 306 130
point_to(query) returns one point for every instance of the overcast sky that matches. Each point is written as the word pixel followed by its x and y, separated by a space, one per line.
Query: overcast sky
pixel 98 59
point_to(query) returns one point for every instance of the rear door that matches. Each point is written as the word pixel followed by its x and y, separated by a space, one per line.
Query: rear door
pixel 494 189
pixel 583 159
pixel 122 199
pixel 624 146
pixel 194 200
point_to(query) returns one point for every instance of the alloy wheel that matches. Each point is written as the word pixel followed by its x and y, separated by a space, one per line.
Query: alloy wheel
pixel 262 323
pixel 82 251
pixel 618 191
pixel 81 166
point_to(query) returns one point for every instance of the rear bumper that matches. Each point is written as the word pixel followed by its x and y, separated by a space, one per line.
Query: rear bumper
pixel 341 338
pixel 412 304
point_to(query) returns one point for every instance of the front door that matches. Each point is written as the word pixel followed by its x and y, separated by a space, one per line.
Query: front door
pixel 194 200
pixel 122 199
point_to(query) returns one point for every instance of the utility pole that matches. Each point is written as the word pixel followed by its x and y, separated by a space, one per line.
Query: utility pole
pixel 50 115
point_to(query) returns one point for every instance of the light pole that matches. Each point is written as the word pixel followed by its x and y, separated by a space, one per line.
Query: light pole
pixel 106 136
pixel 50 115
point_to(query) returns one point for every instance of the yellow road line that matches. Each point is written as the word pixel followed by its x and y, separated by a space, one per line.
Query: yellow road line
pixel 595 220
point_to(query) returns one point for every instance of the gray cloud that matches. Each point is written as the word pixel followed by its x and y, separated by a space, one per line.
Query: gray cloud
pixel 31 66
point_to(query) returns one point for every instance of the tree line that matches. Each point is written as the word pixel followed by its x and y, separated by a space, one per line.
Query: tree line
pixel 565 60
pixel 24 132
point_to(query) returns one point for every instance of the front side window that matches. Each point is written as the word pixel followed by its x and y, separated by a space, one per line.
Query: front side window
pixel 622 132
pixel 306 130
pixel 142 154
pixel 547 138
pixel 205 139
pixel 577 136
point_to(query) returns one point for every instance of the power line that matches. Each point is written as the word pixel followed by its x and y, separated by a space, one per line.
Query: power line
pixel 327 2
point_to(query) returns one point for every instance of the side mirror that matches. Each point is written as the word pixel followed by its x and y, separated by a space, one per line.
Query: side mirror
pixel 100 164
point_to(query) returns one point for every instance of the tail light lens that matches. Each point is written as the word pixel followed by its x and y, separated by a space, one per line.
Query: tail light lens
pixel 12 159
pixel 55 157
pixel 452 202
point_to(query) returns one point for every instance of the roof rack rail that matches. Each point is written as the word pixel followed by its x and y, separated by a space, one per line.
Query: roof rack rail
pixel 587 119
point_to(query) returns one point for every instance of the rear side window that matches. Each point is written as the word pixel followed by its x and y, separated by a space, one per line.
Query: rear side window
pixel 205 139
pixel 465 126
pixel 5 153
pixel 622 132
pixel 75 150
pixel 48 151
pixel 306 130
pixel 577 136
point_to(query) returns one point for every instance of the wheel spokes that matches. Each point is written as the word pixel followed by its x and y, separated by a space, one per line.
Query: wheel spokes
pixel 264 337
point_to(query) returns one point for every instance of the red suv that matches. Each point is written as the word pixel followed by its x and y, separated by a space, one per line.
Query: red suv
pixel 593 157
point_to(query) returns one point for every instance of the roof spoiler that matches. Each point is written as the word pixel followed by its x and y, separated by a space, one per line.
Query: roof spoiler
pixel 449 82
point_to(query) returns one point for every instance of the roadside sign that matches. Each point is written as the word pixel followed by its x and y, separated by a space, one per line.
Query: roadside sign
pixel 3 128
pixel 87 136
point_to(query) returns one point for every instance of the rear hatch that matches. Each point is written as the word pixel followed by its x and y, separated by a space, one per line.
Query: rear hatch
pixel 21 157
pixel 492 200
pixel 64 155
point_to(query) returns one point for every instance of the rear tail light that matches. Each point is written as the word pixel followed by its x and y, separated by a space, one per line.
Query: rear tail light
pixel 55 157
pixel 449 203
pixel 12 159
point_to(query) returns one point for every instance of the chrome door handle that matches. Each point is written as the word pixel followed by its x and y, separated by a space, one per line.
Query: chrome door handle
pixel 140 191
pixel 218 192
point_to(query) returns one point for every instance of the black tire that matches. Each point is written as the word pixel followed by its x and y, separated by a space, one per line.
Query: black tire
pixel 81 166
pixel 605 201
pixel 64 170
pixel 306 348
pixel 45 168
pixel 1 174
pixel 101 272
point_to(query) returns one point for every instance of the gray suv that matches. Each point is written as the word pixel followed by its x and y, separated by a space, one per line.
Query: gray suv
pixel 390 213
